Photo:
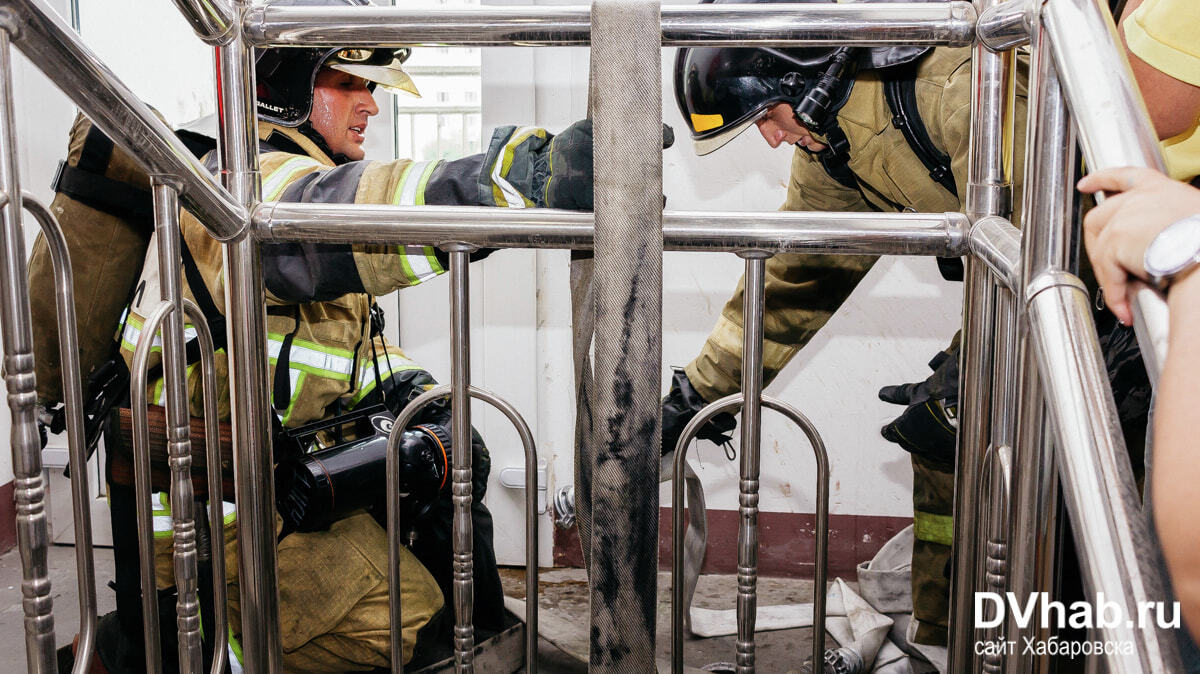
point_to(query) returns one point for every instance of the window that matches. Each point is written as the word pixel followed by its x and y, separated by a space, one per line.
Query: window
pixel 444 122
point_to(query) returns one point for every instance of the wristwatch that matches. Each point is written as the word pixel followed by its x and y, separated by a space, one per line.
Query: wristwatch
pixel 1175 250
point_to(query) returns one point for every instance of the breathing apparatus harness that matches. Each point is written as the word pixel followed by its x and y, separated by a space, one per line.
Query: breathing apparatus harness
pixel 818 108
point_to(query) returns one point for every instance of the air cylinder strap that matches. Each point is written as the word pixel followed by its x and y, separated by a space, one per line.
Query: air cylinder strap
pixel 623 457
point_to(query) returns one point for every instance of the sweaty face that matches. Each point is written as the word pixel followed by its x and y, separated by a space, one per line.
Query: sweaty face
pixel 341 105
pixel 780 126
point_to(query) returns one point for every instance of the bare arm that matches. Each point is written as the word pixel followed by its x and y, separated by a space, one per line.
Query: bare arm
pixel 1117 233
pixel 1174 105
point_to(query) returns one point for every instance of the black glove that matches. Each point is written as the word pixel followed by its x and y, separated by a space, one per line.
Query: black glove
pixel 550 171
pixel 681 404
pixel 928 426
pixel 568 167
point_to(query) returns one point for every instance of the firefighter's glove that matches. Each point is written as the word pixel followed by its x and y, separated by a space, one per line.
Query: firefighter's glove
pixel 532 167
pixel 681 405
pixel 929 424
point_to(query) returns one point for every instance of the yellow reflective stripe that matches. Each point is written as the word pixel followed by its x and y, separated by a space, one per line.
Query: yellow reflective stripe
pixel 164 526
pixel 391 364
pixel 933 528
pixel 296 377
pixel 410 190
pixel 503 191
pixel 274 183
pixel 396 196
pixel 133 332
pixel 235 652
pixel 418 262
pixel 159 394
pixel 320 360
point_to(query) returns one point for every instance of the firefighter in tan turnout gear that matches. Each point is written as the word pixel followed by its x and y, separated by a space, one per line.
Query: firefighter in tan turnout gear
pixel 328 357
pixel 875 130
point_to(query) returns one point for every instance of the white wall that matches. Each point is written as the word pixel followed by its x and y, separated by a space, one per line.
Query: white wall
pixel 892 325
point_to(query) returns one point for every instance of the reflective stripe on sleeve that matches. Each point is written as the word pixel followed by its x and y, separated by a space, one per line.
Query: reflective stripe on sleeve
pixel 511 197
pixel 419 262
pixel 274 183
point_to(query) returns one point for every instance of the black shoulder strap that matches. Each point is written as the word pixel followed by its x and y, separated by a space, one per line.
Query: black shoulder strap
pixel 900 90
pixel 87 184
pixel 835 159
pixel 204 300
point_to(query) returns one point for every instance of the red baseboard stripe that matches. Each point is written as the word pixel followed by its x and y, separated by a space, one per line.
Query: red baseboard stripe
pixel 8 517
pixel 787 542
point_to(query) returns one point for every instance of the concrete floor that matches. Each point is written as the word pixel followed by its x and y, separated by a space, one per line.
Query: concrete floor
pixel 64 593
pixel 563 602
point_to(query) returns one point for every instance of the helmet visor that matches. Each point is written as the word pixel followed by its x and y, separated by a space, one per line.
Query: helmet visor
pixel 379 66
pixel 707 143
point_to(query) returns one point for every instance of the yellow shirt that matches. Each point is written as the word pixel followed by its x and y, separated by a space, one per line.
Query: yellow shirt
pixel 1163 33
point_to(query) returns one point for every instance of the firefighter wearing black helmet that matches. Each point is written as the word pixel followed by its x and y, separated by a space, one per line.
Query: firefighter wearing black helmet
pixel 879 129
pixel 328 354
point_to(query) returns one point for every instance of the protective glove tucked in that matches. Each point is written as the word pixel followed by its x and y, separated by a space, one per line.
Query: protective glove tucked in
pixel 929 425
pixel 681 404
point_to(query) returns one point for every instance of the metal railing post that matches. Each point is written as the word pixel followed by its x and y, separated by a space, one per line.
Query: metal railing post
pixel 1046 209
pixel 68 350
pixel 460 437
pixel 179 447
pixel 989 193
pixel 748 469
pixel 245 311
pixel 32 526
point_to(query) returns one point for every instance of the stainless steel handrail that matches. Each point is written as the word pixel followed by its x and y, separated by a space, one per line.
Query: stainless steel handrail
pixel 821 565
pixel 138 375
pixel 216 507
pixel 942 234
pixel 950 23
pixel 179 444
pixel 15 323
pixel 72 387
pixel 1114 127
pixel 406 416
pixel 1117 551
pixel 213 20
pixel 988 193
pixel 62 56
pixel 997 243
pixel 1006 25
